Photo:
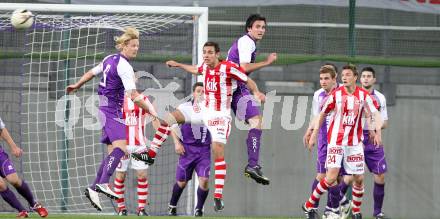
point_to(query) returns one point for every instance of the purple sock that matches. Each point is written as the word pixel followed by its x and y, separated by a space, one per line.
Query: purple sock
pixel 25 191
pixel 12 200
pixel 201 197
pixel 98 175
pixel 378 193
pixel 253 146
pixel 334 196
pixel 343 187
pixel 314 184
pixel 111 163
pixel 177 191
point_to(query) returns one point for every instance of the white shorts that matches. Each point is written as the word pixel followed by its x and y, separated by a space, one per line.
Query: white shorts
pixel 218 123
pixel 352 157
pixel 127 159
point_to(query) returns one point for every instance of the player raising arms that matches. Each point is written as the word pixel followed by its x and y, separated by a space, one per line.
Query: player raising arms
pixel 194 150
pixel 220 80
pixel 243 53
pixel 7 171
pixel 374 154
pixel 327 80
pixel 117 80
pixel 349 103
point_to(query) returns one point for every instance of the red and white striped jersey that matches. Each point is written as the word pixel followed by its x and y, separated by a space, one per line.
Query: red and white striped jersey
pixel 220 83
pixel 134 118
pixel 346 125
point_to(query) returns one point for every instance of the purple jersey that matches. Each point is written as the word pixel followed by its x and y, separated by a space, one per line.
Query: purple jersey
pixel 381 101
pixel 193 134
pixel 243 50
pixel 117 77
pixel 319 98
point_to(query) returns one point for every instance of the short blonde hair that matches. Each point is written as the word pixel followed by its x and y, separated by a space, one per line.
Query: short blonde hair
pixel 130 33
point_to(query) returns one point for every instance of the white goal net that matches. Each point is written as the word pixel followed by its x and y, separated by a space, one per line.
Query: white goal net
pixel 61 139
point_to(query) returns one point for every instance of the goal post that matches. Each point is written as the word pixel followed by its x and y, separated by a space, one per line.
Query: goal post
pixel 60 136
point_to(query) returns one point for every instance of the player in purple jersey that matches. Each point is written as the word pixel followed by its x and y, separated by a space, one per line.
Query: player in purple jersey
pixel 8 172
pixel 117 80
pixel 374 154
pixel 327 80
pixel 194 150
pixel 244 106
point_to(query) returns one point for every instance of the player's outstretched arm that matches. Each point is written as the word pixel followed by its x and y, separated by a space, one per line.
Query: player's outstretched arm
pixel 189 68
pixel 86 77
pixel 16 151
pixel 250 67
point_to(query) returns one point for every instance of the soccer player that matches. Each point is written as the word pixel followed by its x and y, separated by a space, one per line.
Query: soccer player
pixel 135 120
pixel 194 150
pixel 220 80
pixel 244 106
pixel 117 80
pixel 348 102
pixel 374 154
pixel 327 80
pixel 8 172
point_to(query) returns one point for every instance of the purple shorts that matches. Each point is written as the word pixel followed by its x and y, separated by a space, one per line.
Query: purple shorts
pixel 6 165
pixel 375 158
pixel 113 126
pixel 322 155
pixel 196 158
pixel 244 104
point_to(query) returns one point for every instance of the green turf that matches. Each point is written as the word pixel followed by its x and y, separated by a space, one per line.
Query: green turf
pixel 96 216
pixel 283 59
pixel 73 216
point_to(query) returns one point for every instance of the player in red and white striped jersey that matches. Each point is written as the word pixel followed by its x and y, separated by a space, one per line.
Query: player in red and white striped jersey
pixel 134 118
pixel 345 136
pixel 220 80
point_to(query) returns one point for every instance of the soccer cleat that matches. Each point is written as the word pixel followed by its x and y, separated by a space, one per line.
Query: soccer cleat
pixel 172 210
pixel 142 212
pixel 218 204
pixel 22 214
pixel 311 213
pixel 256 174
pixel 105 189
pixel 198 213
pixel 40 210
pixel 356 216
pixel 144 156
pixel 93 197
pixel 381 215
pixel 345 210
pixel 123 212
pixel 330 215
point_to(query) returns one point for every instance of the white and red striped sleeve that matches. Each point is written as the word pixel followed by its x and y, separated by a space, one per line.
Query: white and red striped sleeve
pixel 330 104
pixel 237 72
pixel 371 105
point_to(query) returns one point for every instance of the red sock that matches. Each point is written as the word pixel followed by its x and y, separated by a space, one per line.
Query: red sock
pixel 220 175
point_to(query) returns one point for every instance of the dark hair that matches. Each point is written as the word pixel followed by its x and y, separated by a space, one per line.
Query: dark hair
pixel 334 66
pixel 197 84
pixel 251 20
pixel 369 69
pixel 213 44
pixel 352 68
